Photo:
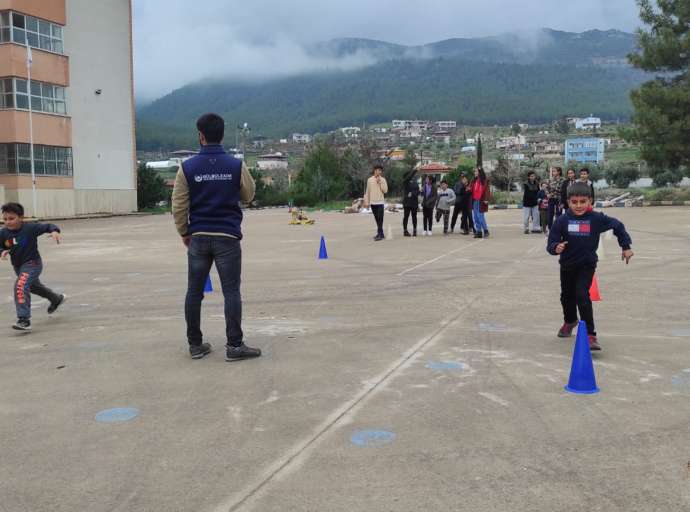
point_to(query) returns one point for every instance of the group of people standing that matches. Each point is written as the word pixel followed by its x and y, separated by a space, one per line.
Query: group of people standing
pixel 543 202
pixel 468 200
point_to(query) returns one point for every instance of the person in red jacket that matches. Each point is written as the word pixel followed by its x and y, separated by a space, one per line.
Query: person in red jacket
pixel 481 194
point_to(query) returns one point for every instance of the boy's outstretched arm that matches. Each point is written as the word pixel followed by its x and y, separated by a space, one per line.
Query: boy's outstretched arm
pixel 622 235
pixel 555 236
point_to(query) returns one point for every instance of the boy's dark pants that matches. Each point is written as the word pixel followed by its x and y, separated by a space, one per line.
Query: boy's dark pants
pixel 542 219
pixel 408 210
pixel 377 210
pixel 27 283
pixel 575 284
pixel 457 209
pixel 226 252
pixel 445 214
pixel 428 214
pixel 466 221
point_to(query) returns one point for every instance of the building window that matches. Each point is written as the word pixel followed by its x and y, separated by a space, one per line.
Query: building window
pixel 48 98
pixel 22 29
pixel 48 160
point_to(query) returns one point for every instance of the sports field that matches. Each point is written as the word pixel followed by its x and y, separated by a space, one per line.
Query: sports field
pixel 403 375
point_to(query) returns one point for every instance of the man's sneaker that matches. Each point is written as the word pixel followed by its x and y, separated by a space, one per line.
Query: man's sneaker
pixel 23 324
pixel 55 305
pixel 378 238
pixel 199 351
pixel 241 352
pixel 593 343
pixel 478 234
pixel 465 232
pixel 566 331
pixel 407 233
pixel 414 232
pixel 486 233
pixel 527 231
pixel 536 231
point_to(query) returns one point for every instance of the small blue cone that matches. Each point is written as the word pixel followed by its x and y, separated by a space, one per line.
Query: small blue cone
pixel 582 380
pixel 208 287
pixel 323 253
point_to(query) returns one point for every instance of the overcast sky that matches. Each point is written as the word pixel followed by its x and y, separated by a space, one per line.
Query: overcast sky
pixel 179 41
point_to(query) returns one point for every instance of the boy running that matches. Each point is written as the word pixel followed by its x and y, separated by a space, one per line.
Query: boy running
pixel 575 237
pixel 19 240
pixel 446 199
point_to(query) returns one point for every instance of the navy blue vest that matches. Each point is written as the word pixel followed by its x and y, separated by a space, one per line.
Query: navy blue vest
pixel 214 178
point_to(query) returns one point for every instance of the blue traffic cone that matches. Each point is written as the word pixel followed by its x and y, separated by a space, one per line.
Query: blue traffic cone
pixel 323 253
pixel 208 287
pixel 582 380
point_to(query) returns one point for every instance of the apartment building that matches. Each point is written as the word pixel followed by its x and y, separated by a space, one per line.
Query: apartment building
pixel 585 150
pixel 77 107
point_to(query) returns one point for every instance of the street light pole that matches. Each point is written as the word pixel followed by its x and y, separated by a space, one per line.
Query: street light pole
pixel 29 61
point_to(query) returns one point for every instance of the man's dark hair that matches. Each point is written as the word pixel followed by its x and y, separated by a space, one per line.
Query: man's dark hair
pixel 585 169
pixel 212 126
pixel 378 166
pixel 579 189
pixel 15 208
pixel 444 181
pixel 531 173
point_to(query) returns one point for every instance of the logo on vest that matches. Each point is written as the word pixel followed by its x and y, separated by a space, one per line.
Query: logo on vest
pixel 199 178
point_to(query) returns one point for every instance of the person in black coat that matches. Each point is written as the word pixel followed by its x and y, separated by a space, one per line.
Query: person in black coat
pixel 569 180
pixel 463 205
pixel 410 201
pixel 429 196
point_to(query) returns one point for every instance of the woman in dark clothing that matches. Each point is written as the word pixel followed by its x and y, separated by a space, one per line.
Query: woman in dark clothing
pixel 410 201
pixel 463 206
pixel 429 197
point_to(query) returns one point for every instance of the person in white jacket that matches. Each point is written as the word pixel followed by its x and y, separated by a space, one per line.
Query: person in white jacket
pixel 446 199
pixel 375 197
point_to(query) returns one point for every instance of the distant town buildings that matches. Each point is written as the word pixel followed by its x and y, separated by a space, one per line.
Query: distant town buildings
pixel 446 125
pixel 587 124
pixel 301 138
pixel 411 125
pixel 585 150
pixel 516 141
pixel 272 162
pixel 351 132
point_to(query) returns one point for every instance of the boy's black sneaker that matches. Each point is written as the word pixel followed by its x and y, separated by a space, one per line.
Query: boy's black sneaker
pixel 378 238
pixel 527 231
pixel 414 232
pixel 199 351
pixel 241 352
pixel 465 232
pixel 407 233
pixel 486 234
pixel 536 231
pixel 55 305
pixel 478 235
pixel 22 324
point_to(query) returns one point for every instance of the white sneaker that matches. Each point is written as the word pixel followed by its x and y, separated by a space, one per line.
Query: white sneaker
pixel 424 233
pixel 429 233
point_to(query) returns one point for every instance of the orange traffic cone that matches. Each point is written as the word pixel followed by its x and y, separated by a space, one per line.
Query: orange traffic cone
pixel 594 290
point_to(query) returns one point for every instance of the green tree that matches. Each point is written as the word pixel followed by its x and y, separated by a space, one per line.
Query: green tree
pixel 322 178
pixel 661 122
pixel 410 159
pixel 150 187
pixel 503 176
pixel 622 175
pixel 561 126
pixel 665 177
pixel 515 129
pixel 480 155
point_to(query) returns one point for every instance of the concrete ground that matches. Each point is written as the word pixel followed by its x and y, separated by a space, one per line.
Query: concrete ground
pixel 406 375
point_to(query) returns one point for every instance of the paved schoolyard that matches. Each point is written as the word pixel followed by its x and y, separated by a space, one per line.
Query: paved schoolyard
pixel 406 375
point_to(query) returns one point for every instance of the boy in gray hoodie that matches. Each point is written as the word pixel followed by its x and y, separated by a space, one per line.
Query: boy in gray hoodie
pixel 446 199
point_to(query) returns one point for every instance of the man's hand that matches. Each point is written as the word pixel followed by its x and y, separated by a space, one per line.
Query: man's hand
pixel 561 247
pixel 56 236
pixel 186 239
pixel 4 255
pixel 627 254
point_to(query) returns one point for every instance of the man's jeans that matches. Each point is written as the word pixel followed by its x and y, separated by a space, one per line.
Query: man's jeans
pixel 27 283
pixel 531 211
pixel 226 252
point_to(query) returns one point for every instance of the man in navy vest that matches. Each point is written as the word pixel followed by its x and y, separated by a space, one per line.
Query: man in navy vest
pixel 206 208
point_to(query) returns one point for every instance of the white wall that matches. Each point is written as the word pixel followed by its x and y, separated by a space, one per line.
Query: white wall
pixel 97 41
